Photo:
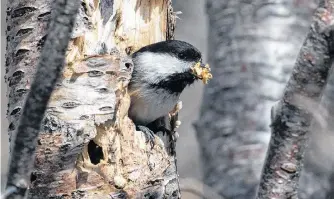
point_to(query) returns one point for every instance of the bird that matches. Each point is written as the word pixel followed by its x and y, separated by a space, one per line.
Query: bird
pixel 161 72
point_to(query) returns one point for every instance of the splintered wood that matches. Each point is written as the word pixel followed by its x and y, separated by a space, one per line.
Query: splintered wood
pixel 88 147
pixel 95 103
pixel 125 25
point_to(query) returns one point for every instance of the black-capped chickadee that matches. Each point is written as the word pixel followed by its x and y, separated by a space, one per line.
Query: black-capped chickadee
pixel 161 72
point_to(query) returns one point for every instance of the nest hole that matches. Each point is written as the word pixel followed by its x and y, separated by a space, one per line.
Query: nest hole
pixel 128 65
pixel 95 152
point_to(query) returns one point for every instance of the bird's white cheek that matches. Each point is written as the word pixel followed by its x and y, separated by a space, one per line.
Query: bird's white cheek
pixel 153 65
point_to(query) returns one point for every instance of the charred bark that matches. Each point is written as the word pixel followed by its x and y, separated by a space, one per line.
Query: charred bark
pixel 291 120
pixel 88 147
pixel 252 48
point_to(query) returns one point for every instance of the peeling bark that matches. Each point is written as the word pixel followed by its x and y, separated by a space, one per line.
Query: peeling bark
pixel 88 147
pixel 252 48
pixel 291 120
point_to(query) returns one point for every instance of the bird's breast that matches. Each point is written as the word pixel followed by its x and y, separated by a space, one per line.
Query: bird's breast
pixel 150 105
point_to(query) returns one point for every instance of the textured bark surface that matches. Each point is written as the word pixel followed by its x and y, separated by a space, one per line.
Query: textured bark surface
pixel 291 120
pixel 88 147
pixel 252 48
pixel 49 69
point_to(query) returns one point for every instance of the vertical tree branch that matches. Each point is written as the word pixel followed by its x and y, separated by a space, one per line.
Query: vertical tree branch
pixel 290 121
pixel 49 68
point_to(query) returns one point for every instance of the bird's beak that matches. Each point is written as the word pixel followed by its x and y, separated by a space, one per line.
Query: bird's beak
pixel 201 71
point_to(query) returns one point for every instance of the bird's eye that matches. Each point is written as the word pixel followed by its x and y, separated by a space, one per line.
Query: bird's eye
pixel 181 55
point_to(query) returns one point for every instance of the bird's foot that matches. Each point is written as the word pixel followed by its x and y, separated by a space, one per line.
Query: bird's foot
pixel 149 134
pixel 173 136
pixel 164 130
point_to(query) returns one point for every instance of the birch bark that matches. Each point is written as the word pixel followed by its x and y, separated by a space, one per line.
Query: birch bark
pixel 88 147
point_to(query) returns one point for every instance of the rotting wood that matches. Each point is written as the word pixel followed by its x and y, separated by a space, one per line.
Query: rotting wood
pixel 88 147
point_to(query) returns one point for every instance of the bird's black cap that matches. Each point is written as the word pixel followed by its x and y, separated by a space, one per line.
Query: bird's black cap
pixel 176 48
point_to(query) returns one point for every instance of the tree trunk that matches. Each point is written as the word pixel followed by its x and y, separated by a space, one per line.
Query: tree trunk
pixel 88 147
pixel 291 118
pixel 49 69
pixel 252 48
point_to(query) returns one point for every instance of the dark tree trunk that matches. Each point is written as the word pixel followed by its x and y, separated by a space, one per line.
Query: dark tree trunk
pixel 252 48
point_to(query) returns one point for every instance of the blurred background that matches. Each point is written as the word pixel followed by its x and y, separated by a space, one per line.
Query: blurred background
pixel 251 47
